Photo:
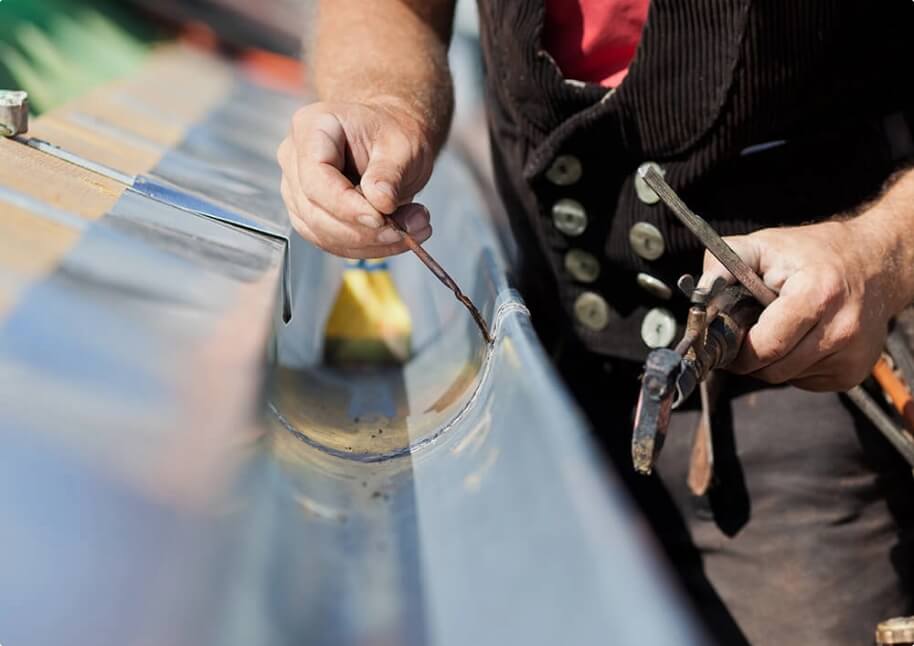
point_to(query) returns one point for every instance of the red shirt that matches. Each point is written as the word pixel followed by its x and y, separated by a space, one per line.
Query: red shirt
pixel 594 40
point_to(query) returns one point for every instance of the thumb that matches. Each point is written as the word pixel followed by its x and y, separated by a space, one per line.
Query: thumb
pixel 746 247
pixel 382 181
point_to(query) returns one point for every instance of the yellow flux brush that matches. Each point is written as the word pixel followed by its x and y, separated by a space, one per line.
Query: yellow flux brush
pixel 369 322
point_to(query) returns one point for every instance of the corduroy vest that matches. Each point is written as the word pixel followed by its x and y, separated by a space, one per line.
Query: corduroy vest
pixel 760 113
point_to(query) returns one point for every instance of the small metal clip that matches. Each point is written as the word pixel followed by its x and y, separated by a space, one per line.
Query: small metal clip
pixel 700 295
pixel 14 113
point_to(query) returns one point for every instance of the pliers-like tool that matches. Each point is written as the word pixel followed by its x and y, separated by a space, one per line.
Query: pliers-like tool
pixel 718 320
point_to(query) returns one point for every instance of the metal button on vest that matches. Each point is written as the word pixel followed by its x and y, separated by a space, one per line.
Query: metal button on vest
pixel 582 266
pixel 592 311
pixel 646 241
pixel 658 328
pixel 569 217
pixel 654 286
pixel 565 170
pixel 645 193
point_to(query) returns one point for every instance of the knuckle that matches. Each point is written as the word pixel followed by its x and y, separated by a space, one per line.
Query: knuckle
pixel 832 285
pixel 844 331
pixel 819 304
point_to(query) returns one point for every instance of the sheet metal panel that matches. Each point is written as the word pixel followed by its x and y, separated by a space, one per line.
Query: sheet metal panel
pixel 481 514
pixel 159 492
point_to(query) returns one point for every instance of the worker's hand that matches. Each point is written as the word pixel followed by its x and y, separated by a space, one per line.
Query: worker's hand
pixel 332 144
pixel 837 292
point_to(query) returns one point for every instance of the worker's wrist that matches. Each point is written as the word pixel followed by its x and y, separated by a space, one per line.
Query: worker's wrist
pixel 883 234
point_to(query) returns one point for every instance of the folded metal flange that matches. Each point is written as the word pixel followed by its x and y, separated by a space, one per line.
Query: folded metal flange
pixel 186 201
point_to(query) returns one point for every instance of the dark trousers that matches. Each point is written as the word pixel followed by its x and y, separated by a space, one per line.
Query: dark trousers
pixel 806 537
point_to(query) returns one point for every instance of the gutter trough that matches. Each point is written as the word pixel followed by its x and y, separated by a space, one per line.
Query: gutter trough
pixel 179 466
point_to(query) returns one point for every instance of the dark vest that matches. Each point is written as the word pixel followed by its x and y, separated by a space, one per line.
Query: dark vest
pixel 760 113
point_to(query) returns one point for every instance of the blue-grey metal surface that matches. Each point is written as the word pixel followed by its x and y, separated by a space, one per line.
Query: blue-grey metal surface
pixel 488 520
pixel 172 474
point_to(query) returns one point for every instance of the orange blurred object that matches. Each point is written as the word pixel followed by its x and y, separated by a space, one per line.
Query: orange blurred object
pixel 899 393
pixel 200 35
pixel 274 71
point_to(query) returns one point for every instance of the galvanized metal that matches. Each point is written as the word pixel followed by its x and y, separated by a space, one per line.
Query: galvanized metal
pixel 161 191
pixel 175 469
pixel 77 160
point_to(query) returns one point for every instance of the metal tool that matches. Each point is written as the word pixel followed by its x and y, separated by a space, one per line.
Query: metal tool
pixel 714 334
pixel 435 267
pixel 189 202
pixel 444 277
pixel 718 321
pixel 708 237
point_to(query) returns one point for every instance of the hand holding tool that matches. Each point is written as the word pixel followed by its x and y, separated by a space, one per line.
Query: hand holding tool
pixel 715 331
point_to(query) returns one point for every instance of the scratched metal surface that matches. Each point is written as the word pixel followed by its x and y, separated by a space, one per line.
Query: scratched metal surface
pixel 180 468
pixel 230 159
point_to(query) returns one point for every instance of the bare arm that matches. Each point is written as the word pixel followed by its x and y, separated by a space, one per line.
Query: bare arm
pixel 380 71
pixel 389 50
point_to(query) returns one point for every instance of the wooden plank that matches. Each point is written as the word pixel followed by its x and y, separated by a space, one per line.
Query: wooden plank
pixel 56 182
pixel 99 145
pixel 127 125
pixel 154 109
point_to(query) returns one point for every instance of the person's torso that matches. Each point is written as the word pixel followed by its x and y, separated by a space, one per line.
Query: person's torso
pixel 594 40
pixel 712 95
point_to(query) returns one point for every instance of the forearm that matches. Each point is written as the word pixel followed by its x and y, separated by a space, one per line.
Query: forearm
pixel 386 51
pixel 889 223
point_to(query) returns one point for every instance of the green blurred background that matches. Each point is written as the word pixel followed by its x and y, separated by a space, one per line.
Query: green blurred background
pixel 58 49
